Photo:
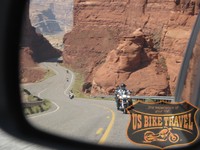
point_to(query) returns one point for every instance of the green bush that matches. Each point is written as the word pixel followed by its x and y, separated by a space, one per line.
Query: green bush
pixel 27 111
pixel 30 98
pixel 46 105
pixel 35 109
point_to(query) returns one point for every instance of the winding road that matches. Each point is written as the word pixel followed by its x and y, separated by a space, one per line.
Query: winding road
pixel 95 121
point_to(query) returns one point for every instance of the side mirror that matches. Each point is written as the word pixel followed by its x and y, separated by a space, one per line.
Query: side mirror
pixel 12 119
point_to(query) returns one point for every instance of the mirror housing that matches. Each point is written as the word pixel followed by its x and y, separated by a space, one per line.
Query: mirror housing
pixel 12 119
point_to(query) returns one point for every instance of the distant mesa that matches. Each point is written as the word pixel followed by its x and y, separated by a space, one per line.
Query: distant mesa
pixel 51 17
pixel 47 23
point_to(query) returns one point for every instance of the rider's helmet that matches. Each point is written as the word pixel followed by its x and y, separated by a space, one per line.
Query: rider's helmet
pixel 123 86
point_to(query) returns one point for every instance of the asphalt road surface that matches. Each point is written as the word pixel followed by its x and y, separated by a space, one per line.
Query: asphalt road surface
pixel 93 121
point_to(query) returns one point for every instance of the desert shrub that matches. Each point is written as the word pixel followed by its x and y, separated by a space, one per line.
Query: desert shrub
pixel 156 36
pixel 35 109
pixel 27 111
pixel 30 98
pixel 44 107
pixel 47 102
pixel 168 77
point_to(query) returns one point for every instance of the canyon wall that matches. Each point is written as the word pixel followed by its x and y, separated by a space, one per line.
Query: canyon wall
pixel 42 49
pixel 34 48
pixel 101 27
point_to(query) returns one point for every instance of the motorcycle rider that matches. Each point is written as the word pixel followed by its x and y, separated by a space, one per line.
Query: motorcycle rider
pixel 123 89
pixel 71 94
pixel 120 90
pixel 123 86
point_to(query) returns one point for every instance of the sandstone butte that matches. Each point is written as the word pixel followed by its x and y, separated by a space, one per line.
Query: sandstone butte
pixel 140 43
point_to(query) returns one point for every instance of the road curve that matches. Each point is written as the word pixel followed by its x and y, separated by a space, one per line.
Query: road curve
pixel 95 121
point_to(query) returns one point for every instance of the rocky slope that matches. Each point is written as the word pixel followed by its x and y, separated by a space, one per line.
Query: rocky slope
pixel 34 48
pixel 98 43
pixel 29 69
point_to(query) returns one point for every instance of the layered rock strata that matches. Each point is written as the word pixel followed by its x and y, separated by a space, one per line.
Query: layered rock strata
pixel 99 27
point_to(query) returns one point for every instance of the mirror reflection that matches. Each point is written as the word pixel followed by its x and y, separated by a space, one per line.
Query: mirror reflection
pixel 83 62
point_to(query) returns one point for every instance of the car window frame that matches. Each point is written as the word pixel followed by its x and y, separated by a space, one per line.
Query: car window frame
pixel 186 61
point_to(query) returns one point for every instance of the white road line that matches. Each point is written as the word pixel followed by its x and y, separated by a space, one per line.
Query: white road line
pixel 59 86
pixel 44 114
pixel 55 72
pixel 57 107
pixel 71 81
pixel 39 94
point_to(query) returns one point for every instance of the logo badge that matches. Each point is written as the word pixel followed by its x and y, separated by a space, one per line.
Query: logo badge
pixel 162 124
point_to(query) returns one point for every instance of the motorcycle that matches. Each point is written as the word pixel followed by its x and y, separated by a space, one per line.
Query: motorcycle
pixel 71 95
pixel 162 136
pixel 124 100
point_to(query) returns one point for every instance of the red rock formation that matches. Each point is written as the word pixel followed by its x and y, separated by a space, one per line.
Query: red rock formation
pixel 135 64
pixel 99 26
pixel 29 70
pixel 35 48
pixel 26 59
pixel 42 49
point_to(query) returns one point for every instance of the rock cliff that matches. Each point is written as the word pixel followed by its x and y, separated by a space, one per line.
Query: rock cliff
pixel 136 64
pixel 99 44
pixel 34 48
pixel 40 46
